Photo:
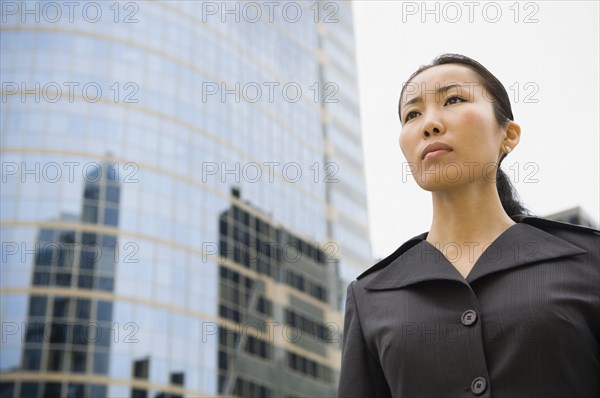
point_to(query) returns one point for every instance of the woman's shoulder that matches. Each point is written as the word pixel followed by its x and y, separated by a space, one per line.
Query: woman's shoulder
pixel 552 225
pixel 585 237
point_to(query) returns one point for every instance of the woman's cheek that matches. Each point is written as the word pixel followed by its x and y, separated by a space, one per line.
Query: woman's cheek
pixel 475 119
pixel 404 145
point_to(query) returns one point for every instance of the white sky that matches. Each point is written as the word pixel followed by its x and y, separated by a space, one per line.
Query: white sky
pixel 559 54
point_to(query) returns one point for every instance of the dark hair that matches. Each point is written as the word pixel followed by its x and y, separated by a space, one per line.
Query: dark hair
pixel 503 113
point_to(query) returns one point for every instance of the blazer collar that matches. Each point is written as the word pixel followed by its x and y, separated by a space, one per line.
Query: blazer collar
pixel 417 260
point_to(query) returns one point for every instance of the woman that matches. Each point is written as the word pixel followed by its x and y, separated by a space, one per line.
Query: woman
pixel 491 301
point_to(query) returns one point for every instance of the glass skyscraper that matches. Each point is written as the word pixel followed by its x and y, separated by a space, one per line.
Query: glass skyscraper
pixel 183 197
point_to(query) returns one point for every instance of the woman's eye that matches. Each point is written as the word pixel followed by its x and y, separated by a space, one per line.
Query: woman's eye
pixel 407 118
pixel 449 100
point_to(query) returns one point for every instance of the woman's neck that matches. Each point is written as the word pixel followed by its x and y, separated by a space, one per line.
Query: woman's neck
pixel 473 213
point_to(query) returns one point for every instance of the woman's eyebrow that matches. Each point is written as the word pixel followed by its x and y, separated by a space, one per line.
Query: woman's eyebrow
pixel 437 92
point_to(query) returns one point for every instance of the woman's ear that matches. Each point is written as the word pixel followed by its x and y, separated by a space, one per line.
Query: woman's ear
pixel 512 135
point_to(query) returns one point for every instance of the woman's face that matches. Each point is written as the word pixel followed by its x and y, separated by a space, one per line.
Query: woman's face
pixel 461 117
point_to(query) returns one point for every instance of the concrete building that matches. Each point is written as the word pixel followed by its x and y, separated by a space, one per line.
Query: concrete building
pixel 574 215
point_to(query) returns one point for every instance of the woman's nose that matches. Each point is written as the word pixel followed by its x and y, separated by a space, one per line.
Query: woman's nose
pixel 432 126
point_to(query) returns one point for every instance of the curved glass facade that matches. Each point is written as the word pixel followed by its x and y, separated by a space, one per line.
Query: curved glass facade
pixel 129 131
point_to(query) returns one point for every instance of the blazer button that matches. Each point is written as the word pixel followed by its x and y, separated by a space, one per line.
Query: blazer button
pixel 478 385
pixel 468 317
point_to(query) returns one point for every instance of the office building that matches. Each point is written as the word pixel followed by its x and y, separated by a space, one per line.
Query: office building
pixel 574 215
pixel 183 197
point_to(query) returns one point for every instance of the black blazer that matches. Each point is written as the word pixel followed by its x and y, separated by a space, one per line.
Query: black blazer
pixel 524 323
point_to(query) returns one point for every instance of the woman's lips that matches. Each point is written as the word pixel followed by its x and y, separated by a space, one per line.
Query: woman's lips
pixel 435 146
pixel 437 153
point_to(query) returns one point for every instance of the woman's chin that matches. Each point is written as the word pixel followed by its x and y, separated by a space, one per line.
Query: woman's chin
pixel 433 183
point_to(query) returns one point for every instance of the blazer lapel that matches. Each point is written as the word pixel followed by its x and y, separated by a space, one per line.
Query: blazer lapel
pixel 419 263
pixel 522 244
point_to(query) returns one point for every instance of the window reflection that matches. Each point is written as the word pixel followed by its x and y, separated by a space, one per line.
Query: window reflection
pixel 71 330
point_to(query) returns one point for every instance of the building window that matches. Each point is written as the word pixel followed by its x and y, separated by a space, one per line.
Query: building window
pixel 246 388
pixel 264 306
pixel 308 367
pixel 311 288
